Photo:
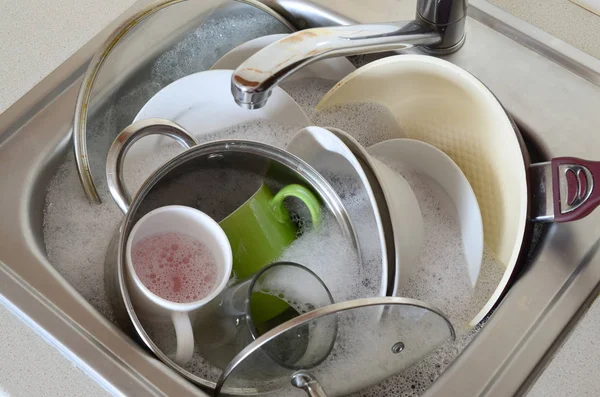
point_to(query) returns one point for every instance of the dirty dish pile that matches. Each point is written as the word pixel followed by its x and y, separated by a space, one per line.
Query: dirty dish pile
pixel 194 168
pixel 359 213
pixel 313 249
pixel 402 204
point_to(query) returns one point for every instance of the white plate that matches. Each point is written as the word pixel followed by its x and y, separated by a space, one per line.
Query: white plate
pixel 407 220
pixel 429 161
pixel 329 155
pixel 402 205
pixel 330 69
pixel 202 103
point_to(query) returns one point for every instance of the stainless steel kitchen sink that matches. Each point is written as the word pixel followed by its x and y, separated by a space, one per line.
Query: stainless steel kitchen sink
pixel 552 91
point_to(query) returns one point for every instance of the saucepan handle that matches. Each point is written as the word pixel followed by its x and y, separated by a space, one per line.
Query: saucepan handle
pixel 305 381
pixel 121 145
pixel 574 188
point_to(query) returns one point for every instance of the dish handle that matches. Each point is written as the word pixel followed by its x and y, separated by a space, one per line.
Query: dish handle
pixel 565 189
pixel 123 142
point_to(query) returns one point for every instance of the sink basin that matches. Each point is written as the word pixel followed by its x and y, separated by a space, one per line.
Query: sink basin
pixel 551 90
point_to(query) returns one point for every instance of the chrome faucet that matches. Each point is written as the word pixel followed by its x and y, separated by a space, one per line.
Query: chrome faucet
pixel 439 28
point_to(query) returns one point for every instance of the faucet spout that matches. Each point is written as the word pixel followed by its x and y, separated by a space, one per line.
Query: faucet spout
pixel 253 81
pixel 438 28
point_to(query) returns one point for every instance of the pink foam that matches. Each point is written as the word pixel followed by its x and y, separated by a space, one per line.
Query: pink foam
pixel 175 266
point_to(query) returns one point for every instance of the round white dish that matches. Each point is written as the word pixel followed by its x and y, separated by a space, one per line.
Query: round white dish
pixel 429 161
pixel 402 205
pixel 407 220
pixel 330 156
pixel 202 103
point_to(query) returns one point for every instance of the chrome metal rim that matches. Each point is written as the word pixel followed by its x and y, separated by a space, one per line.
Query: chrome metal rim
pixel 322 312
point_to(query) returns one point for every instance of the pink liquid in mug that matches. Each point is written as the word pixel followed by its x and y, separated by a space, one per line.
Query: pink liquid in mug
pixel 175 266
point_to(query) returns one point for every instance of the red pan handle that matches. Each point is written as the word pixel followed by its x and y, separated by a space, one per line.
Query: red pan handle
pixel 575 190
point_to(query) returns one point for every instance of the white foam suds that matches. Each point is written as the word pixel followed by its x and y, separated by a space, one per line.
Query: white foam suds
pixel 441 274
pixel 77 233
pixel 328 253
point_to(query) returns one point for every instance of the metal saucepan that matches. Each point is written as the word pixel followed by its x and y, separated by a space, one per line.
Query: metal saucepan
pixel 434 101
pixel 180 181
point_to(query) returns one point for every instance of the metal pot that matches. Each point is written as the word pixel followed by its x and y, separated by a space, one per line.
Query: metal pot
pixel 162 188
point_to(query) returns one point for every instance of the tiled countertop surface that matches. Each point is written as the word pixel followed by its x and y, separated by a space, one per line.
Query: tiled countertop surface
pixel 37 36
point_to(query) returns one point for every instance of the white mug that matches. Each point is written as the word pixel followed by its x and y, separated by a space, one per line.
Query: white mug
pixel 148 305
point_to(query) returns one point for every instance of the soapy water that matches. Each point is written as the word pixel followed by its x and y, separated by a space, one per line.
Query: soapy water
pixel 77 234
pixel 195 52
pixel 441 275
pixel 328 253
pixel 137 170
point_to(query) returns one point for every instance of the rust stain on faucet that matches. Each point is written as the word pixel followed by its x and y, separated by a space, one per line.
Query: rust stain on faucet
pixel 298 37
pixel 245 82
pixel 255 70
pixel 284 61
pixel 317 51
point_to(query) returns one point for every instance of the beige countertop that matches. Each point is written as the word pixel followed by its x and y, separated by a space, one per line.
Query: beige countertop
pixel 561 18
pixel 37 36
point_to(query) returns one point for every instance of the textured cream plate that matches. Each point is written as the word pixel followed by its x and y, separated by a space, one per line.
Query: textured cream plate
pixel 441 104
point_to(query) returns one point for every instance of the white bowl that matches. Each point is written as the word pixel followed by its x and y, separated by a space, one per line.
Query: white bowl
pixel 407 219
pixel 404 210
pixel 330 156
pixel 429 161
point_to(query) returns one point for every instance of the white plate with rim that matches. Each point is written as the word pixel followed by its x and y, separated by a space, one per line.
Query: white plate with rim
pixel 202 103
pixel 330 69
pixel 326 153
